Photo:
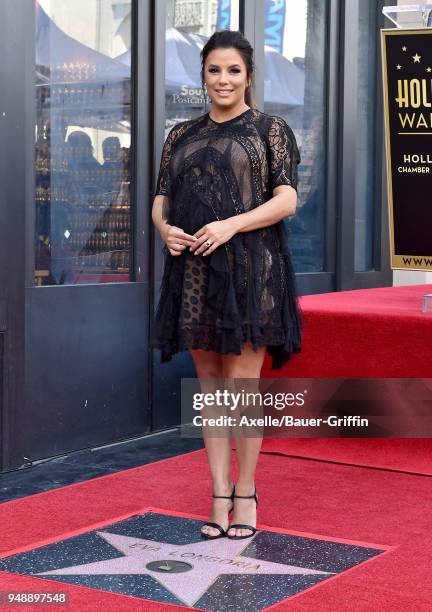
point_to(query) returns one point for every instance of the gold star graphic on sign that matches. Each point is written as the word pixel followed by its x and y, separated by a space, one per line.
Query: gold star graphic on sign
pixel 398 66
pixel 416 57
pixel 403 48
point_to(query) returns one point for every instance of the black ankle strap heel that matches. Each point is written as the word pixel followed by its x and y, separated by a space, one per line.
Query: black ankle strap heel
pixel 222 532
pixel 253 496
pixel 231 497
pixel 238 525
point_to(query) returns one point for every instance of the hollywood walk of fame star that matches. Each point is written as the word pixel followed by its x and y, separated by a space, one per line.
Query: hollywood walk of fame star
pixel 416 58
pixel 208 561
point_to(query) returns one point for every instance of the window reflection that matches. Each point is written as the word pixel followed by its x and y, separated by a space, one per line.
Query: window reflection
pixel 83 136
pixel 189 26
pixel 294 88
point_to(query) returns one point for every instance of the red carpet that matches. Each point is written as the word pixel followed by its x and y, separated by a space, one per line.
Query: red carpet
pixel 364 333
pixel 404 455
pixel 312 497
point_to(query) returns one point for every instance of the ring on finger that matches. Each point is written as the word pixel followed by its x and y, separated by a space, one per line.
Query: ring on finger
pixel 208 243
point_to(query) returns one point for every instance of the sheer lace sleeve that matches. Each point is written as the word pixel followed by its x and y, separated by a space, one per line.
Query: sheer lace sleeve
pixel 163 183
pixel 284 154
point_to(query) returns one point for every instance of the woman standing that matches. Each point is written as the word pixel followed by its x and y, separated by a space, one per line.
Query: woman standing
pixel 227 180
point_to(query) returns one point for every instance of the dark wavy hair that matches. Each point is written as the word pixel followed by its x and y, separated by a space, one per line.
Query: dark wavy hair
pixel 225 39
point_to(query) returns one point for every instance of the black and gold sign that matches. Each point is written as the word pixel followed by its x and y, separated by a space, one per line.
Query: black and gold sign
pixel 407 80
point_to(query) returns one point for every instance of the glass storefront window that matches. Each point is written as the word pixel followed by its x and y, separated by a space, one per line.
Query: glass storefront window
pixel 83 142
pixel 294 88
pixel 189 26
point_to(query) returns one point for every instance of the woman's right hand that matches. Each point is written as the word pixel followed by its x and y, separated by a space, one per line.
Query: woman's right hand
pixel 176 239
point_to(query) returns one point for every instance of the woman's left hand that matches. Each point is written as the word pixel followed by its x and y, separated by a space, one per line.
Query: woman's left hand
pixel 216 232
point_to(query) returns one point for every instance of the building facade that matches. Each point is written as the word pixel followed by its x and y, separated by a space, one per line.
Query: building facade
pixel 92 89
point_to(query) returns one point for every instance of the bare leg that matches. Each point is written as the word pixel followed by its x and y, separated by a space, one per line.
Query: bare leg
pixel 208 365
pixel 246 365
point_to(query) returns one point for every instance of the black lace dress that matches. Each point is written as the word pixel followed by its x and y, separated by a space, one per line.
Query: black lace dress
pixel 245 290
